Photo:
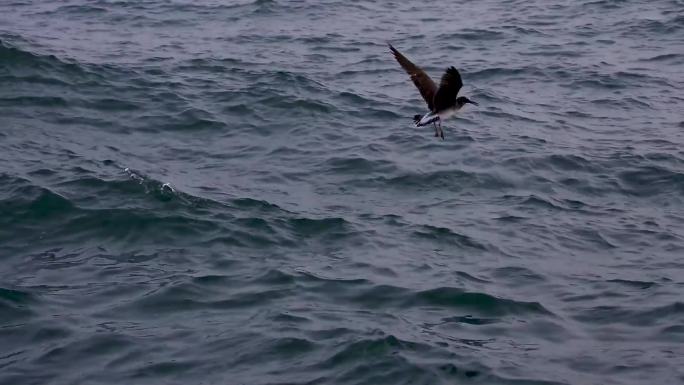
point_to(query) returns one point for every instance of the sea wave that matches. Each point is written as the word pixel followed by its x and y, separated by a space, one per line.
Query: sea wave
pixel 195 191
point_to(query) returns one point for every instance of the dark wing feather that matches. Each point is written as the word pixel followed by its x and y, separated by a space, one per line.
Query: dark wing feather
pixel 451 83
pixel 425 85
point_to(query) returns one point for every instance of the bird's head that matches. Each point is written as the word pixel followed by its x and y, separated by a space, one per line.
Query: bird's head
pixel 462 101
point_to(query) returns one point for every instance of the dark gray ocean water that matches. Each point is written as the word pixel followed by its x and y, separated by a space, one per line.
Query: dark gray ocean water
pixel 217 192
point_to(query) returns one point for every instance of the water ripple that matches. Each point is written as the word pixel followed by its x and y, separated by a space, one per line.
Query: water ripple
pixel 195 191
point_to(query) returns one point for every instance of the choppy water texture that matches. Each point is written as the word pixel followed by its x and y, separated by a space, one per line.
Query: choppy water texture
pixel 210 192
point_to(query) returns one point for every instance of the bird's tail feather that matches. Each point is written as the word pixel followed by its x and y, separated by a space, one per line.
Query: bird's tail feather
pixel 423 120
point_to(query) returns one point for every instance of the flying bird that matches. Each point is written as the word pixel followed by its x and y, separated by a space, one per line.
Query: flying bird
pixel 443 101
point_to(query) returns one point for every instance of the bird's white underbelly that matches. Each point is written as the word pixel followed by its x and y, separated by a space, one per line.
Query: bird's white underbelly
pixel 443 115
pixel 432 117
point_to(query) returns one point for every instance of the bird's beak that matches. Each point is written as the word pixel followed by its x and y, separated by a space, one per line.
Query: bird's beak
pixel 472 102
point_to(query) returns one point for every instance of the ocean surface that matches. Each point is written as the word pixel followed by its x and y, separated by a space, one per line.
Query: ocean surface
pixel 233 192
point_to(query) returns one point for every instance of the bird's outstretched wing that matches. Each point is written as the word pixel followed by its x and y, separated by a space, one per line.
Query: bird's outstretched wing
pixel 425 85
pixel 449 86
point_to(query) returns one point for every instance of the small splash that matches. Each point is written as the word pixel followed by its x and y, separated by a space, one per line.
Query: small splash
pixel 134 176
pixel 162 191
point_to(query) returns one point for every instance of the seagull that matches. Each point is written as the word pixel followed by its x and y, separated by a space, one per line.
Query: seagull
pixel 443 101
